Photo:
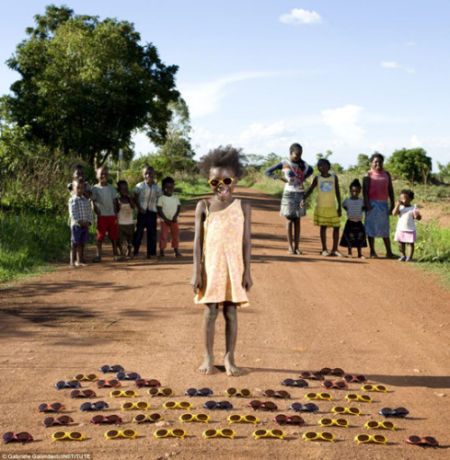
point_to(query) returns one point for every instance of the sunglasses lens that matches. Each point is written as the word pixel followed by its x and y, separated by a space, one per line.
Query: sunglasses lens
pixel 361 378
pixel 372 424
pixel 119 375
pixel 297 420
pixel 270 405
pixel 61 384
pixel 228 181
pixel 388 425
pixel 186 417
pixel 75 393
pixel 141 405
pixel 310 435
pixel 341 384
pixel 339 409
pixel 431 440
pixel 106 368
pixel 362 437
pixel 283 394
pixel 75 435
pixel 386 411
pixel 154 417
pixel 202 417
pixel 269 393
pixel 277 432
pixel 354 410
pixel 191 391
pixel 311 395
pixel 381 388
pixel 153 383
pixel 210 432
pixel 305 374
pixel 59 435
pixel 214 182
pixel 129 433
pixel 379 438
pixel 140 418
pixel 402 411
pixel 167 391
pixel 245 392
pixel 56 406
pixel 153 391
pixel 112 433
pixel 325 371
pixel 352 396
pixel 337 371
pixel 325 395
pixel 86 406
pixel 250 418
pixel 235 418
pixel 116 368
pixel 205 391
pixel 178 432
pixel 341 422
pixel 414 439
pixel 310 407
pixel 365 398
pixel 326 435
pixel 161 432
pixel 327 384
pixel 210 404
pixel 98 419
pixel 48 422
pixel 231 391
pixel 296 406
pixel 280 418
pixel 326 421
pixel 255 404
pixel 287 382
pixel 91 376
pixel 348 378
pixel 225 405
pixel 185 404
pixel 140 383
pixel 79 377
pixel 89 393
pixel 128 405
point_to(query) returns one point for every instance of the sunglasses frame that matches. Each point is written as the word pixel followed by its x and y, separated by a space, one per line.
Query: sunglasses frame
pixel 422 441
pixel 371 438
pixel 178 405
pixel 238 393
pixel 93 406
pixel 308 407
pixel 219 433
pixel 337 371
pixel 135 405
pixel 147 383
pixel 394 412
pixel 319 396
pixel 335 384
pixel 299 383
pixel 86 378
pixel 198 392
pixel 150 418
pixel 170 433
pixel 355 378
pixel 379 388
pixel 48 408
pixel 113 369
pixel 334 422
pixel 280 394
pixel 379 425
pixel 127 376
pixel 263 405
pixel 51 421
pixel 218 405
pixel 319 436
pixel 360 398
pixel 221 181
pixel 194 418
pixel 123 394
pixel 160 391
pixel 289 420
pixel 113 383
pixel 347 410
pixel 71 384
pixel 82 394
pixel 268 434
pixel 68 436
pixel 106 420
pixel 15 437
pixel 121 434
pixel 243 419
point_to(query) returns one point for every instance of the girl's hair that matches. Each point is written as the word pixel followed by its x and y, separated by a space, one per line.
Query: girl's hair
pixel 294 146
pixel 377 155
pixel 409 193
pixel 223 157
pixel 355 183
pixel 324 160
pixel 120 183
pixel 167 180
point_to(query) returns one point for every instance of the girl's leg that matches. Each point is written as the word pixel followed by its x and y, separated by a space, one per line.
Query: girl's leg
pixel 411 251
pixel 401 248
pixel 297 235
pixel 81 254
pixel 349 248
pixel 209 323
pixel 289 230
pixel 323 238
pixel 73 253
pixel 230 314
pixel 387 244
pixel 371 239
pixel 335 239
pixel 359 252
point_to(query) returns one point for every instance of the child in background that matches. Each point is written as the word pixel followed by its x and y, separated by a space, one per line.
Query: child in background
pixel 294 172
pixel 146 195
pixel 103 198
pixel 124 207
pixel 326 214
pixel 354 235
pixel 80 218
pixel 405 232
pixel 221 253
pixel 78 174
pixel 168 206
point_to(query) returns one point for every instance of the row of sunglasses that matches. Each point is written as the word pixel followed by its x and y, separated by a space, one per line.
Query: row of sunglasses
pixel 361 438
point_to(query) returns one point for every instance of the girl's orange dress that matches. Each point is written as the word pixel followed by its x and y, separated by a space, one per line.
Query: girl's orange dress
pixel 223 261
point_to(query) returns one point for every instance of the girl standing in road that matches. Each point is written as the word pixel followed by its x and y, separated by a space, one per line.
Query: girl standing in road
pixel 221 253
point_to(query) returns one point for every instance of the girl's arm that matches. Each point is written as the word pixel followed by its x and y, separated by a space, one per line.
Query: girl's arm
pixel 196 281
pixel 246 246
pixel 269 171
pixel 116 205
pixel 310 190
pixel 308 172
pixel 391 193
pixel 366 185
pixel 338 195
pixel 396 210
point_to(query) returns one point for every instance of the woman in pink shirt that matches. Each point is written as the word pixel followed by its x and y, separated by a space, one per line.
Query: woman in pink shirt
pixel 377 190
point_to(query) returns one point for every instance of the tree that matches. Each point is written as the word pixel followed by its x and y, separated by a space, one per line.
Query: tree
pixel 411 164
pixel 87 84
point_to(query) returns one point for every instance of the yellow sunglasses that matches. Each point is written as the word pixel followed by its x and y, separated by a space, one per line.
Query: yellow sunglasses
pixel 373 424
pixel 368 387
pixel 68 435
pixel 236 418
pixel 141 405
pixel 178 405
pixel 215 182
pixel 203 418
pixel 86 377
pixel 115 434
pixel 222 433
pixel 315 436
pixel 242 393
pixel 268 434
pixel 151 418
pixel 325 396
pixel 123 394
pixel 346 410
pixel 355 397
pixel 365 438
pixel 334 422
pixel 160 391
pixel 166 433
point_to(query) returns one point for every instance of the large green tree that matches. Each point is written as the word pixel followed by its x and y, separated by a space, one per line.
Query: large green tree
pixel 411 164
pixel 87 84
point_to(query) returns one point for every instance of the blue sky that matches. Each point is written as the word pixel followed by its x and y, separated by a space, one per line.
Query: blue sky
pixel 347 76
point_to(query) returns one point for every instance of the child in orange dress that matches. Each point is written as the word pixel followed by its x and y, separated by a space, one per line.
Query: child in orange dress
pixel 221 253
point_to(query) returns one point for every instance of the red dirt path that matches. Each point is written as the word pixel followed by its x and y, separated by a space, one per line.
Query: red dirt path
pixel 381 318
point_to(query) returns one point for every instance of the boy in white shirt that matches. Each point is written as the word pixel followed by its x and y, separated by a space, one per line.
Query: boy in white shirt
pixel 168 209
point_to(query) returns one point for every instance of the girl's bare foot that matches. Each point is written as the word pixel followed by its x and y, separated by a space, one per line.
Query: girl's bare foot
pixel 207 366
pixel 373 255
pixel 231 368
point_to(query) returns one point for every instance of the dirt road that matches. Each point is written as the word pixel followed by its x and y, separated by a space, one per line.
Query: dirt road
pixel 380 318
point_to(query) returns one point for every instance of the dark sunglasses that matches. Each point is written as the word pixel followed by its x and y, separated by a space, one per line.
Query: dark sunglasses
pixel 108 419
pixel 82 394
pixel 263 405
pixel 89 406
pixel 276 394
pixel 308 407
pixel 199 392
pixel 115 368
pixel 338 384
pixel 422 441
pixel 216 182
pixel 224 405
pixel 355 378
pixel 295 383
pixel 54 407
pixel 398 412
pixel 147 383
pixel 282 419
pixel 127 376
pixel 22 437
pixel 114 383
pixel 67 384
pixel 337 371
pixel 63 420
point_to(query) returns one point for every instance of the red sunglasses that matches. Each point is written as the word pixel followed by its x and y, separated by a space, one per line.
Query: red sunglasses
pixel 108 419
pixel 338 384
pixel 422 441
pixel 263 405
pixel 22 437
pixel 282 419
pixel 63 420
pixel 83 394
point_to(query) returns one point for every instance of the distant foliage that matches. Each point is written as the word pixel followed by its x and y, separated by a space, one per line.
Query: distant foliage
pixel 411 164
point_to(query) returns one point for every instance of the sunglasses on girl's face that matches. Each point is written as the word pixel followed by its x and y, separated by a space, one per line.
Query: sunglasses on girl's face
pixel 216 182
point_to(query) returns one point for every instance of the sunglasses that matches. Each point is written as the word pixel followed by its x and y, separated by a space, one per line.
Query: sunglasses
pixel 115 368
pixel 355 378
pixel 151 418
pixel 127 376
pixel 361 398
pixel 373 424
pixel 141 405
pixel 114 434
pixel 308 407
pixel 269 434
pixel 63 420
pixel 165 433
pixel 282 419
pixel 399 412
pixel 68 435
pixel 82 394
pixel 22 437
pixel 315 436
pixel 147 383
pixel 86 377
pixel 346 410
pixel 311 375
pixel 89 406
pixel 301 383
pixel 380 388
pixel 216 182
pixel 276 394
pixel 67 384
pixel 54 407
pixel 123 394
pixel 105 420
pixel 178 405
pixel 366 438
pixel 338 384
pixel 203 418
pixel 334 422
pixel 337 371
pixel 236 418
pixel 160 391
pixel 114 383
pixel 243 393
pixel 224 405
pixel 422 441
pixel 223 433
pixel 200 392
pixel 325 396
pixel 263 405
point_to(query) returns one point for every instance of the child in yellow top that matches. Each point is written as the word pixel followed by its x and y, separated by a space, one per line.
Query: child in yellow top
pixel 221 253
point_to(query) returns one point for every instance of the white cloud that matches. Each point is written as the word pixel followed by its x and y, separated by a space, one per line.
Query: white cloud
pixel 299 16
pixel 415 141
pixel 343 122
pixel 396 65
